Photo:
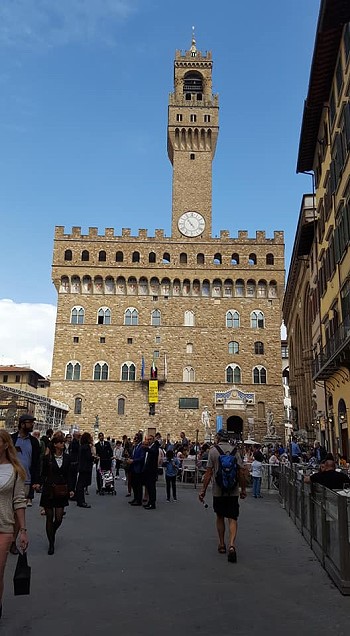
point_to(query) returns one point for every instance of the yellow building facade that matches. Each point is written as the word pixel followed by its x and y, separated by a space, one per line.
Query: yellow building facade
pixel 325 151
pixel 197 316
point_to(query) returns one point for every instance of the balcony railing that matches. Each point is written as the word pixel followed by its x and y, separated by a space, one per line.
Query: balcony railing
pixel 335 352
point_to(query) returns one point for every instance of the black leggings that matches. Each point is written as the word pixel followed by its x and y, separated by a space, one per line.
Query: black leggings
pixel 54 518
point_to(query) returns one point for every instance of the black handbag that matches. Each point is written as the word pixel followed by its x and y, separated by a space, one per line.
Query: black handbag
pixel 21 577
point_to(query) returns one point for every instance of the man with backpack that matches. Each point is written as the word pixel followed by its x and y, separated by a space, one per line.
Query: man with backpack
pixel 226 468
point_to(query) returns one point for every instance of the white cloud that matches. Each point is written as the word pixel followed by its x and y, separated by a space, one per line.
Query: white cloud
pixel 26 334
pixel 60 22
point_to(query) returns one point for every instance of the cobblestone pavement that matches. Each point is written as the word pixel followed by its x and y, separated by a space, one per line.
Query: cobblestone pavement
pixel 124 570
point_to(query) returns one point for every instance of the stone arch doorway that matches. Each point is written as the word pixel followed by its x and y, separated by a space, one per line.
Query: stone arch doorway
pixel 234 426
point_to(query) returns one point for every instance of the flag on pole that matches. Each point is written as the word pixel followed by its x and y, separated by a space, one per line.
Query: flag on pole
pixel 165 367
pixel 142 368
pixel 153 369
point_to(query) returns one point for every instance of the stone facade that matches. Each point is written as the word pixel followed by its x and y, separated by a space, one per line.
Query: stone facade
pixel 189 303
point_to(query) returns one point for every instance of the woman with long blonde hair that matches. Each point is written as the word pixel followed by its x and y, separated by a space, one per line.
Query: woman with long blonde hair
pixel 12 502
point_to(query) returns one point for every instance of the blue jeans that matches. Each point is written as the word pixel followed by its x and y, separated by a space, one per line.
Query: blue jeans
pixel 256 486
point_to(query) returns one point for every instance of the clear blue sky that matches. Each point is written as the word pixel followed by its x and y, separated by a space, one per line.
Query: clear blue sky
pixel 83 113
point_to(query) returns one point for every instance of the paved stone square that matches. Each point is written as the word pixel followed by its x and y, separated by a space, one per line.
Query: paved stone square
pixel 124 570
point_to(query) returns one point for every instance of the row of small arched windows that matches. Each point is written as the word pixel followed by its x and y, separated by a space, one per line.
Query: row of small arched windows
pixel 233 373
pixel 165 287
pixel 131 317
pixel 217 258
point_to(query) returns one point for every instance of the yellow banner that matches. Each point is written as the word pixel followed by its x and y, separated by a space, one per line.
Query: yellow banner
pixel 153 391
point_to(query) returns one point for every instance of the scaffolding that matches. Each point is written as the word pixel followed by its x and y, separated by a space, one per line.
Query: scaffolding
pixel 48 413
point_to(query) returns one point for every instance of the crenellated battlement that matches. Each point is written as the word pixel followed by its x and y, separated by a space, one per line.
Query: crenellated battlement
pixel 159 235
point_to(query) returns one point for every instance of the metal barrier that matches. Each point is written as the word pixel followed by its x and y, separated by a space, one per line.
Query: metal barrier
pixel 323 518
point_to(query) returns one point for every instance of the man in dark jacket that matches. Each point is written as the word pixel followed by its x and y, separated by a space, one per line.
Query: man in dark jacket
pixel 104 453
pixel 136 463
pixel 150 470
pixel 28 453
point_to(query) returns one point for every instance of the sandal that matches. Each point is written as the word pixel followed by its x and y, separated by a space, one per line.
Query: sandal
pixel 222 549
pixel 232 554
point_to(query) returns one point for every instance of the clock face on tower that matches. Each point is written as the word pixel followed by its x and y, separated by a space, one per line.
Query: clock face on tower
pixel 191 224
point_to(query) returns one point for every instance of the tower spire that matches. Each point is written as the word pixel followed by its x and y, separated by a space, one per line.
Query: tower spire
pixel 193 45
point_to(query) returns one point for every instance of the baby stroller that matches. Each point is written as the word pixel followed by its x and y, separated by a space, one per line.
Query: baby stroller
pixel 106 483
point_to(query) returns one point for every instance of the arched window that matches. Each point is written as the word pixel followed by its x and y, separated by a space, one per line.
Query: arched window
pixel 262 287
pixel 131 316
pixel 152 257
pixel 258 347
pixel 257 320
pixel 85 256
pixel 104 316
pixel 132 285
pixel 193 83
pixel 232 319
pixel 128 372
pixel 98 285
pixel 77 316
pixel 233 374
pixel 183 258
pixel 342 420
pixel 143 286
pixel 189 318
pixel 200 259
pixel 68 255
pixel 228 287
pixel 189 347
pixel 102 256
pixel 64 287
pixel 109 285
pixel 78 404
pixel 101 371
pixel 119 257
pixel 135 257
pixel 259 375
pixel 75 286
pixel 188 374
pixel 252 259
pixel 270 259
pixel 250 289
pixel 166 258
pixel 216 290
pixel 239 287
pixel 235 259
pixel 155 318
pixel 233 347
pixel 121 406
pixel 217 259
pixel 73 369
pixel 206 288
pixel 272 289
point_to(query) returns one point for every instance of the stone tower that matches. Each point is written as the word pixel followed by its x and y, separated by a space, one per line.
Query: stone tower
pixel 193 127
pixel 172 333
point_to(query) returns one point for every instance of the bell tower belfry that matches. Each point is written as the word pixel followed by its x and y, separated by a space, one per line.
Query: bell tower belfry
pixel 193 126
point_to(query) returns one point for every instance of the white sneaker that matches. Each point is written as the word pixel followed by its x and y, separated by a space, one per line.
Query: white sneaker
pixel 168 501
pixel 175 500
pixel 117 477
pixel 29 502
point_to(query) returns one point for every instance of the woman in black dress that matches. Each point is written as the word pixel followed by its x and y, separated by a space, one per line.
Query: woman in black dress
pixel 57 487
pixel 85 463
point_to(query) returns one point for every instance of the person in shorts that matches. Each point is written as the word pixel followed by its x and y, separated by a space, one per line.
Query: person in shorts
pixel 225 505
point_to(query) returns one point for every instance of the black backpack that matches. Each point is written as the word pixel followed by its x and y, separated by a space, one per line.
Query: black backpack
pixel 227 473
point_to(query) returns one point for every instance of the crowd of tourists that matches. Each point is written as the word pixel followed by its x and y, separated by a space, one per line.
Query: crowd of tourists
pixel 59 467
